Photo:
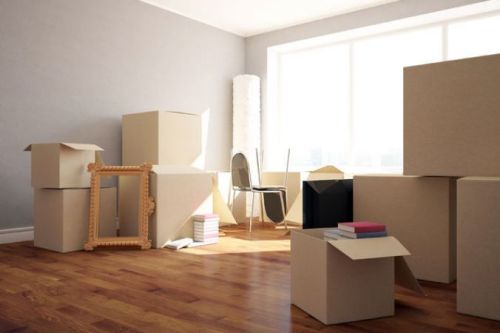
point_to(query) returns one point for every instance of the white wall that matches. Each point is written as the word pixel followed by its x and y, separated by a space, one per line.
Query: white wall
pixel 70 69
pixel 256 46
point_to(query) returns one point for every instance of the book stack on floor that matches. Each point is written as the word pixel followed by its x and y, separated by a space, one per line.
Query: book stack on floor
pixel 356 230
pixel 206 228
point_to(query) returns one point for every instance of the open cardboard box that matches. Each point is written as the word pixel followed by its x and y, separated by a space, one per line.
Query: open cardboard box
pixel 338 281
pixel 61 165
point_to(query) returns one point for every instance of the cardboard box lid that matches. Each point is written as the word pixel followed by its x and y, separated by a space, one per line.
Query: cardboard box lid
pixel 370 248
pixel 73 146
pixel 162 111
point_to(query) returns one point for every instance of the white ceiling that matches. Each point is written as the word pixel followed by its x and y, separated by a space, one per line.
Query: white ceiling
pixel 252 17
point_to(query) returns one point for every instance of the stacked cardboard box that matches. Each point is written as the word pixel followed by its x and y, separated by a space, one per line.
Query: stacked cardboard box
pixel 171 141
pixel 420 212
pixel 451 128
pixel 61 196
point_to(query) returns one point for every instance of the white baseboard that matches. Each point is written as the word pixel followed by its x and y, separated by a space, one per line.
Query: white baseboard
pixel 16 235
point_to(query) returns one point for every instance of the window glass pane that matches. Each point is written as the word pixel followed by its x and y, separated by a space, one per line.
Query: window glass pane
pixel 313 103
pixel 474 38
pixel 378 94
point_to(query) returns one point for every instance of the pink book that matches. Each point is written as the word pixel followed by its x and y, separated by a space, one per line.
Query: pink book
pixel 362 226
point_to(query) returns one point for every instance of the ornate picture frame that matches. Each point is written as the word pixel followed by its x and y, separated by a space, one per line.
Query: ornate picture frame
pixel 146 206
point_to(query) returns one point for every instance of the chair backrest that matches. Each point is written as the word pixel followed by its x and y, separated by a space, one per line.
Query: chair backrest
pixel 240 172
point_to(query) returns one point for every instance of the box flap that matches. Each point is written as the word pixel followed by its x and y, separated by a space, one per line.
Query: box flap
pixel 327 169
pixel 74 146
pixel 403 276
pixel 81 146
pixel 370 248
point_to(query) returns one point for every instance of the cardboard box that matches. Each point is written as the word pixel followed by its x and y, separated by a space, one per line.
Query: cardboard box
pixel 420 212
pixel 451 118
pixel 179 193
pixel 478 246
pixel 161 137
pixel 61 165
pixel 346 280
pixel 220 202
pixel 61 217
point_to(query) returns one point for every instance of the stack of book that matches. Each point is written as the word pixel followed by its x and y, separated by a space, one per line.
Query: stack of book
pixel 206 228
pixel 354 230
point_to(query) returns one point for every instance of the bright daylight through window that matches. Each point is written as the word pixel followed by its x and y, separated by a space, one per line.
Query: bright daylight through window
pixel 341 103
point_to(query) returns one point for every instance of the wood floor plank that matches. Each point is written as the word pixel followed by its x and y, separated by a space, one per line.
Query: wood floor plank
pixel 241 284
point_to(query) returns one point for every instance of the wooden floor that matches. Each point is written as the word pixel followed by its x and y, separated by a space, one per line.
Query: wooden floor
pixel 241 284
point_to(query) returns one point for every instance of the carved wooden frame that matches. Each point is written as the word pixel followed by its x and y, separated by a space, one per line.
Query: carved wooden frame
pixel 146 206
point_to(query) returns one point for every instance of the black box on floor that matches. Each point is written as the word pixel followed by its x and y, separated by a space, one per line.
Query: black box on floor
pixel 326 202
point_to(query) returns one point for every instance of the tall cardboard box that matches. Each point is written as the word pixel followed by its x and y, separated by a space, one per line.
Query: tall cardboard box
pixel 161 137
pixel 478 246
pixel 420 212
pixel 451 118
pixel 179 193
pixel 61 217
pixel 61 165
pixel 338 281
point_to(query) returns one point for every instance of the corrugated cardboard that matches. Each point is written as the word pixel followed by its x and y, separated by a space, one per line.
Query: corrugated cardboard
pixel 180 193
pixel 345 280
pixel 238 212
pixel 451 118
pixel 478 246
pixel 61 165
pixel 161 137
pixel 420 212
pixel 295 214
pixel 61 217
pixel 220 206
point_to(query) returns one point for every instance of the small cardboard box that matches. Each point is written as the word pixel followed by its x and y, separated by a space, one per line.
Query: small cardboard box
pixel 451 118
pixel 61 217
pixel 478 247
pixel 161 137
pixel 338 281
pixel 420 212
pixel 61 165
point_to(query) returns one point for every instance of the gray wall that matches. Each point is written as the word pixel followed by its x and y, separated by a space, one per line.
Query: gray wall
pixel 256 46
pixel 70 69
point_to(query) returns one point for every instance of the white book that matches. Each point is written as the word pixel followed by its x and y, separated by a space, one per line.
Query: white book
pixel 216 220
pixel 195 244
pixel 206 229
pixel 206 225
pixel 179 243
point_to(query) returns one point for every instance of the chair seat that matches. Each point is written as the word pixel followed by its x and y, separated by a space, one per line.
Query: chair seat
pixel 269 188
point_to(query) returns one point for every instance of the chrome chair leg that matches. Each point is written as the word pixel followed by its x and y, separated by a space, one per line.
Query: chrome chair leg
pixel 251 211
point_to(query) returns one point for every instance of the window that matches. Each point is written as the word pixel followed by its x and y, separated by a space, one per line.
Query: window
pixel 474 37
pixel 341 102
